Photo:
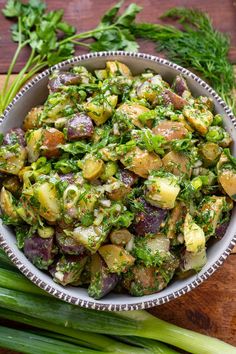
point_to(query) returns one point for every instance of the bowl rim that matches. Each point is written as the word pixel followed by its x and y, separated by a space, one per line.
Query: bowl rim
pixel 139 304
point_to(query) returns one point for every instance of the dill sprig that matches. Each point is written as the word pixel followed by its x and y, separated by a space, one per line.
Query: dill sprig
pixel 197 45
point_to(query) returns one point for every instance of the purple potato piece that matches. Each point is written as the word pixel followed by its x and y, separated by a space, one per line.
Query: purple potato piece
pixel 60 79
pixel 170 97
pixel 68 177
pixel 68 269
pixel 221 230
pixel 180 85
pixel 14 136
pixel 40 251
pixel 149 220
pixel 80 126
pixel 128 177
pixel 102 281
pixel 68 245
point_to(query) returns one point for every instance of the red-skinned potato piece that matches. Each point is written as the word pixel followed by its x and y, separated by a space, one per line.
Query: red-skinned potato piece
pixel 180 85
pixel 63 79
pixel 170 130
pixel 79 126
pixel 142 280
pixel 170 97
pixel 102 281
pixel 31 120
pixel 51 139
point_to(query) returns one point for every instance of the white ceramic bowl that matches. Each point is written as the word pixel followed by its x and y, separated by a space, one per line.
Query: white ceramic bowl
pixel 35 93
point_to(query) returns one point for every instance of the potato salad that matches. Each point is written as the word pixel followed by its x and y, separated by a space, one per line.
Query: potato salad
pixel 118 182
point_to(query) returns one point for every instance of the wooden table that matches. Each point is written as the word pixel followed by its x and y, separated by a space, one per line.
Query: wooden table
pixel 211 308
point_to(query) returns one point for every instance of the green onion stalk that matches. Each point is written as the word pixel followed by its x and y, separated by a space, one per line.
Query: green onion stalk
pixel 133 323
pixel 87 339
pixel 32 343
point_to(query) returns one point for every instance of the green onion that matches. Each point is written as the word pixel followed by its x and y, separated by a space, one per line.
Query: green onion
pixel 136 323
pixel 5 261
pixel 36 344
pixel 154 346
pixel 13 280
pixel 87 339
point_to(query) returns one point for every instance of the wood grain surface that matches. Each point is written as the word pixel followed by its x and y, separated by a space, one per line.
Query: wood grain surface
pixel 85 15
pixel 211 308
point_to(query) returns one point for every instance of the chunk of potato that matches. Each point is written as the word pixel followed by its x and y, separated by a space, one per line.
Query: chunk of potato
pixel 93 168
pixel 151 89
pixel 117 258
pixel 227 179
pixel 171 130
pixel 46 194
pixel 51 139
pixel 119 193
pixel 120 237
pixel 141 162
pixel 31 121
pixel 200 120
pixel 116 68
pixel 178 214
pixel 34 141
pixel 12 184
pixel 100 110
pixel 102 281
pixel 212 210
pixel 7 205
pixel 12 160
pixel 169 97
pixel 143 280
pixel 193 261
pixel 177 163
pixel 180 86
pixel 133 111
pixel 162 191
pixel 194 236
pixel 90 237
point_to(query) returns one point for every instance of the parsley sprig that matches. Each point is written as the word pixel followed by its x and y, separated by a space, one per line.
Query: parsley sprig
pixel 52 40
pixel 196 45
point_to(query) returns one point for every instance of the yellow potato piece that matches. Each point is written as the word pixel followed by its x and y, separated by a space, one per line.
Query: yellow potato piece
pixel 194 236
pixel 141 162
pixel 176 163
pixel 7 206
pixel 133 111
pixel 162 191
pixel 227 179
pixel 100 112
pixel 115 68
pixel 117 258
pixel 34 142
pixel 49 204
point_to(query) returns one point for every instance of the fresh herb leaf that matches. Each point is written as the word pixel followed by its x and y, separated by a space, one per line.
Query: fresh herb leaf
pixel 13 8
pixel 197 45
